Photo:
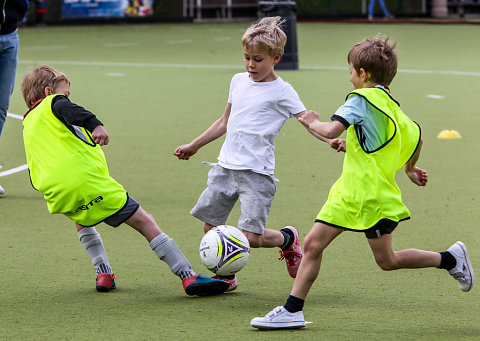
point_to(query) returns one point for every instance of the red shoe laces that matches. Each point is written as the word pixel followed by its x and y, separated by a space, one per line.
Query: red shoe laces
pixel 289 256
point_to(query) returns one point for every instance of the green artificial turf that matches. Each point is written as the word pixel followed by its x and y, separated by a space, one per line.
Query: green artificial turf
pixel 158 86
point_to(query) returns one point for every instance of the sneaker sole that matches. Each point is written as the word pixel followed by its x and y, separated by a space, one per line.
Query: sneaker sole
pixel 104 289
pixel 259 324
pixel 469 267
pixel 207 289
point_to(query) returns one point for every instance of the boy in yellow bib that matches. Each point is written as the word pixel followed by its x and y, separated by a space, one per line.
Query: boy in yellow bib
pixel 66 163
pixel 381 139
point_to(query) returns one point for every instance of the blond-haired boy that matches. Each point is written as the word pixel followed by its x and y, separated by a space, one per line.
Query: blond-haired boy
pixel 259 104
pixel 381 139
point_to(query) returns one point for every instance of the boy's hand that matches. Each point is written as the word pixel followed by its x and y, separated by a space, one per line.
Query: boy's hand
pixel 340 145
pixel 184 152
pixel 418 176
pixel 307 118
pixel 100 135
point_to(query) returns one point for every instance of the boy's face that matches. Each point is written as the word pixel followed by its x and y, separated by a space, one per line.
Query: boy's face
pixel 355 79
pixel 259 64
pixel 62 87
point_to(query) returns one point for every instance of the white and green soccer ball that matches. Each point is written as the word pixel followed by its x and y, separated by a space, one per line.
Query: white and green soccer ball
pixel 224 250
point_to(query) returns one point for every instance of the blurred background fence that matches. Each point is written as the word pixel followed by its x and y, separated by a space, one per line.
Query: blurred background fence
pixel 59 11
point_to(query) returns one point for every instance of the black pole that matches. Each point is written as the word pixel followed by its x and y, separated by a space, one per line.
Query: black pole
pixel 287 10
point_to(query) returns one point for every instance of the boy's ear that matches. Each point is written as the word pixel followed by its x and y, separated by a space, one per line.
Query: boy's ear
pixel 48 91
pixel 363 74
pixel 277 59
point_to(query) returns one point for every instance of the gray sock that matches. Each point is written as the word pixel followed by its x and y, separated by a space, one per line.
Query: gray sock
pixel 92 242
pixel 168 251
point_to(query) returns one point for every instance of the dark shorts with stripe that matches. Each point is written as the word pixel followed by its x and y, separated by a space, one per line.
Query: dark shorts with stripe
pixel 130 207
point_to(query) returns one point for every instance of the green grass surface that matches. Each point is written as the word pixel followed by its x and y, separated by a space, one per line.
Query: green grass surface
pixel 158 86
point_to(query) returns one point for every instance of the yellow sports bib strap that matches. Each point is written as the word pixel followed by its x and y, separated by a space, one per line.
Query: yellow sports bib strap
pixel 366 191
pixel 71 172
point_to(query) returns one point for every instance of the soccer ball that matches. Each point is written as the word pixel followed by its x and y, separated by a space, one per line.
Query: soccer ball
pixel 224 250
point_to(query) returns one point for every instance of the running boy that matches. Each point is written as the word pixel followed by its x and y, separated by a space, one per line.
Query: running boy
pixel 380 140
pixel 62 144
pixel 259 103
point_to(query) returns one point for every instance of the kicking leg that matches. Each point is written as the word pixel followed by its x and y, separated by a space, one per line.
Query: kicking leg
pixel 167 250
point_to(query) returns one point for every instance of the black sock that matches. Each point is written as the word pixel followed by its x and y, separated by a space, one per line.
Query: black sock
pixel 288 239
pixel 294 304
pixel 448 262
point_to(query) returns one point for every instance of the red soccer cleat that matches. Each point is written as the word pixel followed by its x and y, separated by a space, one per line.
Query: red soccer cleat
pixel 293 256
pixel 204 286
pixel 232 282
pixel 105 282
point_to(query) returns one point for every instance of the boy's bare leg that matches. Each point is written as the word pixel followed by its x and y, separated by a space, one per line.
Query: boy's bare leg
pixel 143 222
pixel 319 237
pixel 387 259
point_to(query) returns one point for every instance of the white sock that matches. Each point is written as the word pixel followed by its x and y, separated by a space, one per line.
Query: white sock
pixel 168 251
pixel 92 242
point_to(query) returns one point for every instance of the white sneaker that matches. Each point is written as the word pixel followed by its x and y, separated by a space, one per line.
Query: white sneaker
pixel 2 191
pixel 463 271
pixel 279 318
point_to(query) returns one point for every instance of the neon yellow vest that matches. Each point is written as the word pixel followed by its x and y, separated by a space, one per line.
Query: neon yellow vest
pixel 71 173
pixel 366 191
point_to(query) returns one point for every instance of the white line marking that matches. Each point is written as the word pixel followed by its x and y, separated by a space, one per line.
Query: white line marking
pixel 121 44
pixel 14 170
pixel 50 47
pixel 115 74
pixel 435 96
pixel 184 41
pixel 232 67
pixel 18 117
pixel 223 38
pixel 127 64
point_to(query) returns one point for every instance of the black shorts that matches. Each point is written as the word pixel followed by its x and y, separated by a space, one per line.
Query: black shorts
pixel 384 226
pixel 130 207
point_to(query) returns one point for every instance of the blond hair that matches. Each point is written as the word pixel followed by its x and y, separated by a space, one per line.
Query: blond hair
pixel 377 57
pixel 34 83
pixel 266 34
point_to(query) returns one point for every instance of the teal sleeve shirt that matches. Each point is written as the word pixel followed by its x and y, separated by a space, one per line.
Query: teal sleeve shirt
pixel 371 126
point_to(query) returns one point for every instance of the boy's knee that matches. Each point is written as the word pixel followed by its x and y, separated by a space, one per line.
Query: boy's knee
pixel 385 264
pixel 311 246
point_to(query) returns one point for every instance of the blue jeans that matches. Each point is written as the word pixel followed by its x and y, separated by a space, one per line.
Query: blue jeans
pixel 382 5
pixel 8 68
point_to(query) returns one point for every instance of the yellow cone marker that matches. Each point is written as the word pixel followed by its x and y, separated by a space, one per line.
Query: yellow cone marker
pixel 449 134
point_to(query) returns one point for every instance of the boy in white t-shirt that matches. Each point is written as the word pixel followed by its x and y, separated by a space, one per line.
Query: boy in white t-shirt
pixel 259 103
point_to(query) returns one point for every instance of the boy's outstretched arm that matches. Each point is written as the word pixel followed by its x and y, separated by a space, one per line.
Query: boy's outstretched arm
pixel 325 131
pixel 417 175
pixel 217 129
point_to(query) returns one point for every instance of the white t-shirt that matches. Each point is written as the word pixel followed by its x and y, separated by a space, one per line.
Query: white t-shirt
pixel 259 111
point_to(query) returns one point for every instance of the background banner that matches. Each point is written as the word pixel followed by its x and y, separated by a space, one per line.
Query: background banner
pixel 106 8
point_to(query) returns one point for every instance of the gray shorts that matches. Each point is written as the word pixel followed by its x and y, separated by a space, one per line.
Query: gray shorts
pixel 225 186
pixel 130 207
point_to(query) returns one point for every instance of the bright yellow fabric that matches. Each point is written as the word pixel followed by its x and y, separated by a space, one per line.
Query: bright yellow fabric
pixel 72 174
pixel 366 191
